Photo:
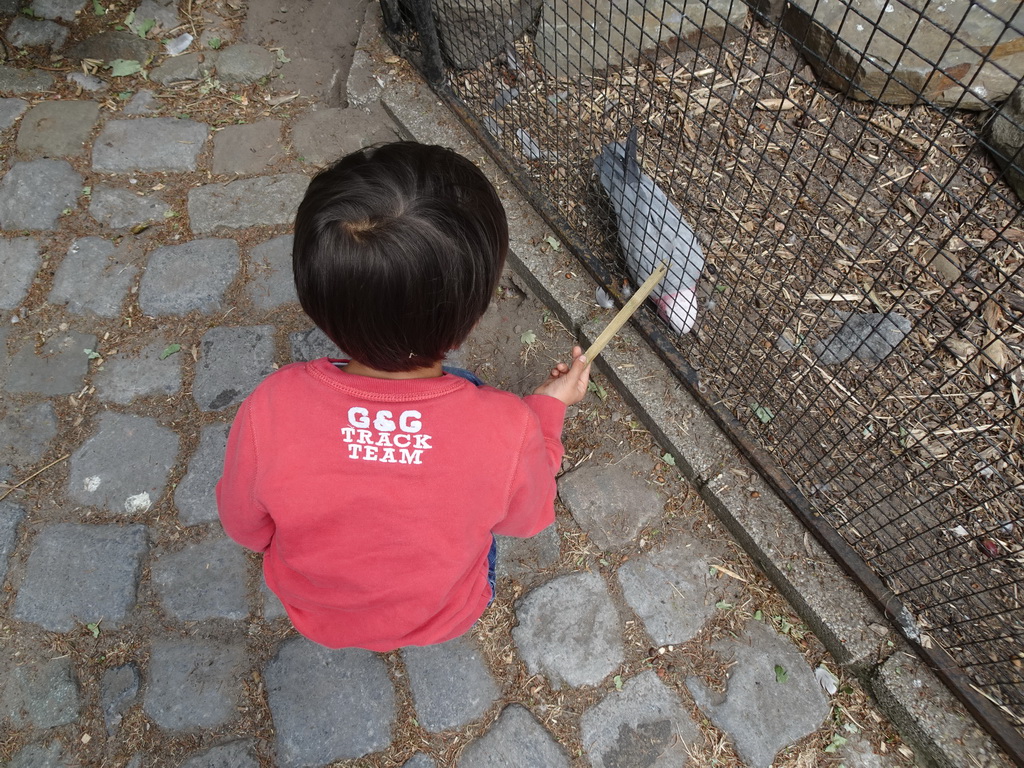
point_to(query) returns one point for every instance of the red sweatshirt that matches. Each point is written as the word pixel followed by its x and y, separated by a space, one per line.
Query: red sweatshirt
pixel 373 501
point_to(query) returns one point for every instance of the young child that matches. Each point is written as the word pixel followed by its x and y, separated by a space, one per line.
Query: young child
pixel 373 486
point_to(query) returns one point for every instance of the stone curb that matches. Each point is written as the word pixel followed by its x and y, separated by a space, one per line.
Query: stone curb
pixel 855 633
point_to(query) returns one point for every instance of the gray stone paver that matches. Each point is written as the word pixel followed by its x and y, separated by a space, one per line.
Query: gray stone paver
pixel 119 208
pixel 569 631
pixel 642 726
pixel 149 144
pixel 245 63
pixel 40 756
pixel 188 277
pixel 611 503
pixel 10 110
pixel 79 573
pixel 266 200
pixel 325 135
pixel 95 276
pixel 445 700
pixel 204 581
pixel 24 33
pixel 194 497
pixel 232 361
pixel 11 516
pixel 420 760
pixel 673 590
pixel 127 376
pixel 790 703
pixel 124 466
pixel 515 739
pixel 19 262
pixel 25 433
pixel 24 81
pixel 193 683
pixel 245 150
pixel 271 284
pixel 57 129
pixel 57 368
pixel 312 345
pixel 115 44
pixel 35 193
pixel 42 693
pixel 119 688
pixel 272 607
pixel 234 754
pixel 64 10
pixel 308 685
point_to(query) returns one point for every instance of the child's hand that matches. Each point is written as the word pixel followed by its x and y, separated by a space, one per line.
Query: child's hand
pixel 568 384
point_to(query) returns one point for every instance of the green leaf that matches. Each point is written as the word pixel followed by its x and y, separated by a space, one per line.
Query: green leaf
pixel 618 682
pixel 553 242
pixel 281 57
pixel 764 414
pixel 94 627
pixel 669 459
pixel 758 616
pixel 92 354
pixel 781 675
pixel 529 337
pixel 145 26
pixel 98 9
pixel 215 43
pixel 598 390
pixel 722 605
pixel 837 742
pixel 169 350
pixel 124 67
pixel 86 191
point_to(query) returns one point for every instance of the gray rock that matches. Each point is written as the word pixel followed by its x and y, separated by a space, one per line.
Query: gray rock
pixel 11 516
pixel 64 10
pixel 490 25
pixel 642 726
pixel 19 262
pixel 149 144
pixel 38 756
pixel 308 685
pixel 163 12
pixel 94 277
pixel 121 208
pixel 611 503
pixel 188 66
pixel 569 631
pixel 870 337
pixel 516 738
pixel 246 150
pixel 270 268
pixel 951 54
pixel 323 136
pixel 58 369
pixel 244 63
pixel 57 128
pixel 582 38
pixel 265 201
pixel 124 466
pixel 89 83
pixel 11 110
pixel 194 497
pixel 232 361
pixel 234 754
pixel 33 194
pixel 206 580
pixel 445 700
pixel 272 607
pixel 9 7
pixel 27 33
pixel 188 277
pixel 41 693
pixel 108 46
pixel 142 103
pixel 193 683
pixel 26 432
pixel 527 559
pixel 420 760
pixel 790 704
pixel 312 345
pixel 119 687
pixel 81 574
pixel 1004 135
pixel 672 590
pixel 123 378
pixel 17 80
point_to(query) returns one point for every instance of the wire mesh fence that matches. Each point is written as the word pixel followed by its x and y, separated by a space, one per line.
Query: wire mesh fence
pixel 854 293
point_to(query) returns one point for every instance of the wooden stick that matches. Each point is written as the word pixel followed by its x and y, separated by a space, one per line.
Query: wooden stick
pixel 12 488
pixel 627 311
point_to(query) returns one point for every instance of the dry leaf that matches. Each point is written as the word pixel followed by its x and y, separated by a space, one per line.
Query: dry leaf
pixel 775 105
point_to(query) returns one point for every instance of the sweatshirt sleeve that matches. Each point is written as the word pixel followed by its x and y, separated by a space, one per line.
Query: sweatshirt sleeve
pixel 531 506
pixel 243 518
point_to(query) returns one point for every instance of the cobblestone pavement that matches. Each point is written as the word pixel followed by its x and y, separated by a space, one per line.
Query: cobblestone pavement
pixel 145 291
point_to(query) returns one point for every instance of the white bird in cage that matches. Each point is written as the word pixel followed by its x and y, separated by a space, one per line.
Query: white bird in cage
pixel 651 230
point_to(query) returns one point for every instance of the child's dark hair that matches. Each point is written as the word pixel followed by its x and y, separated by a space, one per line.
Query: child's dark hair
pixel 398 251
